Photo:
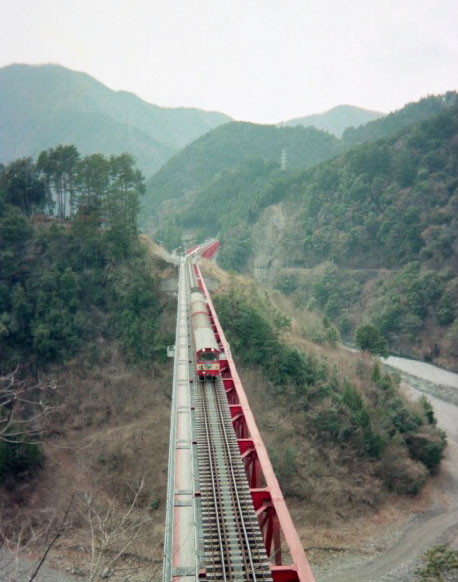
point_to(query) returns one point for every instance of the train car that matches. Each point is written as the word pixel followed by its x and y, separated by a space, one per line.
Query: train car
pixel 205 344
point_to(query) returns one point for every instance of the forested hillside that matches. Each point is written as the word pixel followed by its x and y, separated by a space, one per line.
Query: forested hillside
pixel 395 121
pixel 228 145
pixel 65 283
pixel 83 331
pixel 368 237
pixel 232 200
pixel 386 203
pixel 47 105
pixel 189 177
pixel 376 238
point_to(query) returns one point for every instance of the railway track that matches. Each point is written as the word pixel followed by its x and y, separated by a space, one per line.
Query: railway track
pixel 233 545
pixel 212 530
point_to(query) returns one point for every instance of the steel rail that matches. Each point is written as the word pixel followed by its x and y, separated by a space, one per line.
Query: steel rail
pixel 255 544
pixel 234 546
pixel 210 462
pixel 237 515
pixel 215 489
pixel 218 504
pixel 235 507
pixel 234 482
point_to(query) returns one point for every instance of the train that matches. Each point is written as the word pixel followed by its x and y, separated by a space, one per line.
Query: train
pixel 206 348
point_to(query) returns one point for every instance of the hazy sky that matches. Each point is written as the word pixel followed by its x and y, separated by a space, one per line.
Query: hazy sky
pixel 257 60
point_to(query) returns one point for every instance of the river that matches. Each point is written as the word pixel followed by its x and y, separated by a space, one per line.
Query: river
pixel 423 371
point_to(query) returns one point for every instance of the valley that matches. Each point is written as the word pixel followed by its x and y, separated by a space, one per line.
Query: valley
pixel 367 237
pixel 321 233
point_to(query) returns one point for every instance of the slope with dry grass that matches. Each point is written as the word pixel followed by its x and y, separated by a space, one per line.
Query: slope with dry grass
pixel 106 454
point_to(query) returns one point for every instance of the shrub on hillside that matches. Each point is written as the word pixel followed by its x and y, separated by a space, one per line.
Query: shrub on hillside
pixel 427 446
pixel 440 565
pixel 399 473
pixel 255 337
pixel 369 338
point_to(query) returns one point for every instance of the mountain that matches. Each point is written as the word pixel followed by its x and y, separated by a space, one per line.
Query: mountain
pixel 336 120
pixel 195 167
pixel 213 167
pixel 369 236
pixel 228 145
pixel 397 120
pixel 46 105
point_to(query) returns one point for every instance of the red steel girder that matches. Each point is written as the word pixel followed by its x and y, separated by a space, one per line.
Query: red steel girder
pixel 210 251
pixel 285 573
pixel 268 522
pixel 189 251
pixel 280 520
pixel 251 462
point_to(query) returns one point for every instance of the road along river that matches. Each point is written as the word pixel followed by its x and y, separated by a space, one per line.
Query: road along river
pixel 399 550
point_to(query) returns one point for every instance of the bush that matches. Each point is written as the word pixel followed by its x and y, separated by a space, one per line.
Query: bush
pixel 332 421
pixel 399 473
pixel 369 338
pixel 427 447
pixel 255 338
pixel 446 310
pixel 441 565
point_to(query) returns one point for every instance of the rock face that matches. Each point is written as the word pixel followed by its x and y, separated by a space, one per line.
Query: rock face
pixel 267 241
pixel 276 243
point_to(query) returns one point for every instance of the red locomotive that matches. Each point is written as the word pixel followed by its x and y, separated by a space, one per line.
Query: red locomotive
pixel 206 347
pixel 205 344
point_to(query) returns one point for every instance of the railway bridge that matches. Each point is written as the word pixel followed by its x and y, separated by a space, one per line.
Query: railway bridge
pixel 226 519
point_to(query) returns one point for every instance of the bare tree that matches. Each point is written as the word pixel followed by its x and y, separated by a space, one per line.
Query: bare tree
pixel 112 534
pixel 23 409
pixel 53 540
pixel 23 406
pixel 18 534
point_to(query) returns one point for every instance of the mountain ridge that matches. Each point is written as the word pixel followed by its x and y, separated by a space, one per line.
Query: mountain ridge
pixel 195 166
pixel 337 119
pixel 37 99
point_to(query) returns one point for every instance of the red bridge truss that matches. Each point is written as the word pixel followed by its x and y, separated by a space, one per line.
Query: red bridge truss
pixel 184 540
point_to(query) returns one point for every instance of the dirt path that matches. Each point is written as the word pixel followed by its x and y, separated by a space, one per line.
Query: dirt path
pixel 403 547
